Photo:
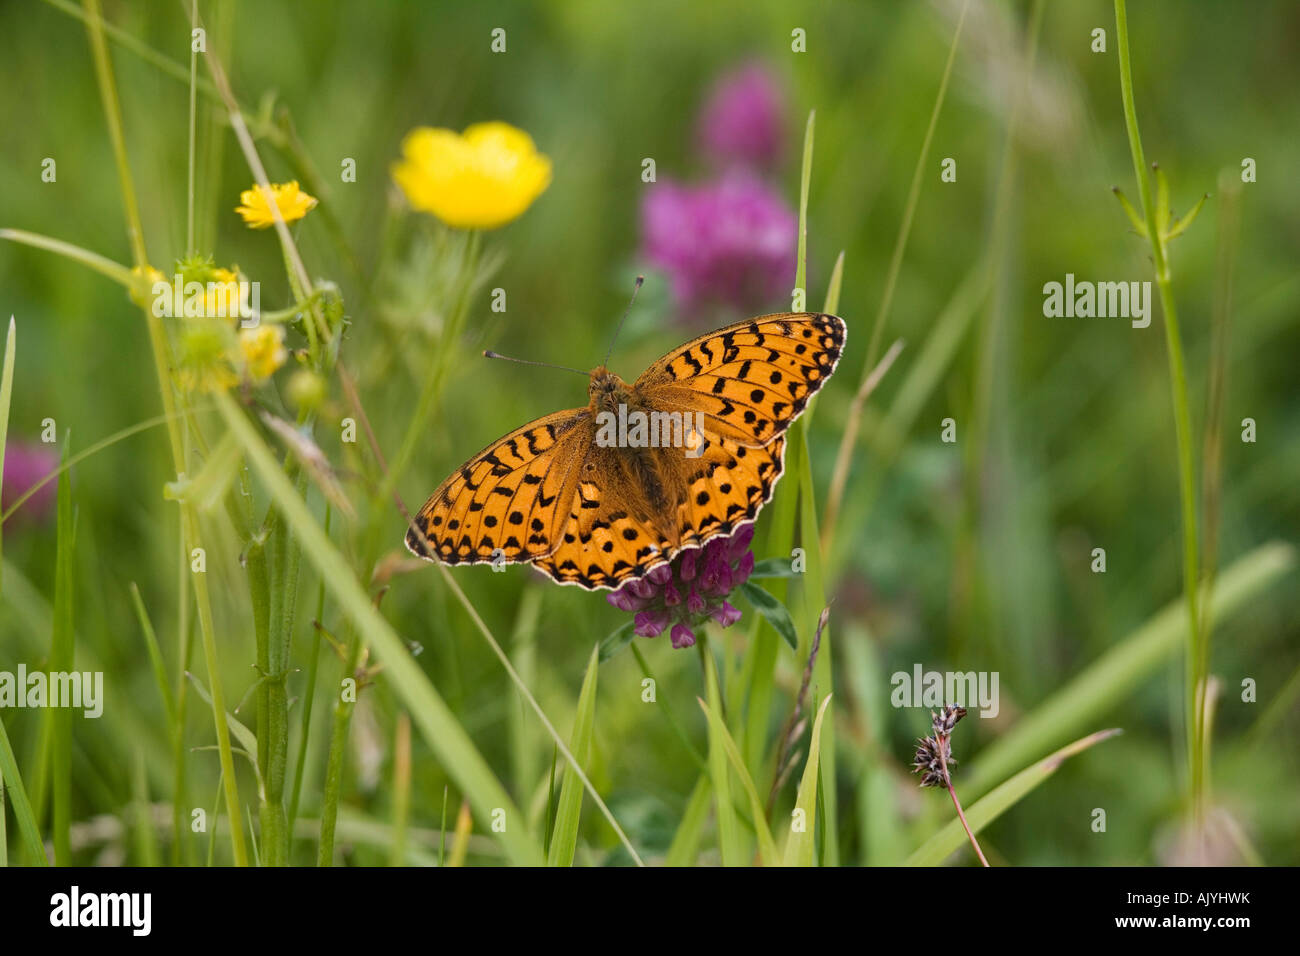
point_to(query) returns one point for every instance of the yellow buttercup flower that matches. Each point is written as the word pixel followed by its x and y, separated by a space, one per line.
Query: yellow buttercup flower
pixel 481 179
pixel 292 202
pixel 263 350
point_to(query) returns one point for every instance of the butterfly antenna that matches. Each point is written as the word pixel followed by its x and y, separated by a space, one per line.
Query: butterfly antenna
pixel 488 353
pixel 635 289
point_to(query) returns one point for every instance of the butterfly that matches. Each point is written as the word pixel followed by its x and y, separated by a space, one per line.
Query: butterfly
pixel 591 499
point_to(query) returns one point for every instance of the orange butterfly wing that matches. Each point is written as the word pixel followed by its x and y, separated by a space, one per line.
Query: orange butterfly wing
pixel 507 500
pixel 751 379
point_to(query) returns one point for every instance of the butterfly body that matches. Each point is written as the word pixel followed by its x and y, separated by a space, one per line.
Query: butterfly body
pixel 607 390
pixel 593 500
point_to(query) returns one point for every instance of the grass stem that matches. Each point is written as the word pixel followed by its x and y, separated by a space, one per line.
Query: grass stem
pixel 1194 659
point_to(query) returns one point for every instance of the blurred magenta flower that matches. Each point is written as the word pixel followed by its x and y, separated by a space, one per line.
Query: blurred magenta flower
pixel 730 242
pixel 25 464
pixel 743 120
pixel 691 590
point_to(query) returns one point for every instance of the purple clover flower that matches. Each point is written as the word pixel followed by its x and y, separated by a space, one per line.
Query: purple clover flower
pixel 730 241
pixel 693 589
pixel 742 122
pixel 25 464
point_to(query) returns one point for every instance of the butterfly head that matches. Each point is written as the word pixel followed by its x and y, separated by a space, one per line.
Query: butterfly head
pixel 607 391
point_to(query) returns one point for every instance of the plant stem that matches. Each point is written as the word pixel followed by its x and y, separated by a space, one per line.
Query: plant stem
pixel 92 260
pixel 285 555
pixel 1182 424
pixel 189 179
pixel 338 744
pixel 947 779
pixel 309 694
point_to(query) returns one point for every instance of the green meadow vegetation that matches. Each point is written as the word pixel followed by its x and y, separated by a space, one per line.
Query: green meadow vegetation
pixel 209 513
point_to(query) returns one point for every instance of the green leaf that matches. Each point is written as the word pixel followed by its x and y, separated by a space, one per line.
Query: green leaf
pixel 729 838
pixel 564 838
pixel 616 640
pixel 936 849
pixel 1138 223
pixel 772 609
pixel 799 847
pixel 773 568
pixel 1180 226
pixel 766 845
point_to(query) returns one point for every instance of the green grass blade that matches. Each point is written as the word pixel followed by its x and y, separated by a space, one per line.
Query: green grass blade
pixel 814 601
pixel 62 660
pixel 833 287
pixel 439 727
pixel 805 180
pixel 766 845
pixel 146 839
pixel 730 841
pixel 936 849
pixel 1116 673
pixel 564 838
pixel 13 784
pixel 6 392
pixel 155 655
pixel 799 847
pixel 686 841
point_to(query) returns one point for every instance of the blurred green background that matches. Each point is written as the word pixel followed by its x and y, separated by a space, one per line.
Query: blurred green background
pixel 956 557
